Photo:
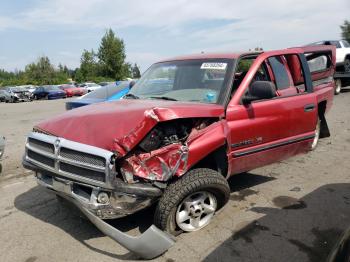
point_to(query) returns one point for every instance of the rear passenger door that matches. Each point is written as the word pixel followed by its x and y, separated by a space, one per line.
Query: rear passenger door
pixel 269 130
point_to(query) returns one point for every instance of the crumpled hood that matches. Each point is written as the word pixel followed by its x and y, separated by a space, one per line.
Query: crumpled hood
pixel 121 125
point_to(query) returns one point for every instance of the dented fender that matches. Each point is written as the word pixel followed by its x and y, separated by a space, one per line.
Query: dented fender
pixel 206 141
pixel 158 165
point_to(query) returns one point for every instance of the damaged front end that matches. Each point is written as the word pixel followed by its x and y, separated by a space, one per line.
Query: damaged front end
pixel 109 173
pixel 85 176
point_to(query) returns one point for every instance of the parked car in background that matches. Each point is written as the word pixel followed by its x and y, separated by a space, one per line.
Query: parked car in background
pixel 29 88
pixel 19 94
pixel 109 92
pixel 48 92
pixel 342 53
pixel 91 87
pixel 72 90
pixel 2 149
pixel 5 96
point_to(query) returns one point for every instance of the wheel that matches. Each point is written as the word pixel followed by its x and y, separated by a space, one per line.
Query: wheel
pixel 190 203
pixel 337 87
pixel 317 135
pixel 347 65
pixel 36 97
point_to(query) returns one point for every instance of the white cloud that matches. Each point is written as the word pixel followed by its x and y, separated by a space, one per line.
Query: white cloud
pixel 268 24
pixel 143 59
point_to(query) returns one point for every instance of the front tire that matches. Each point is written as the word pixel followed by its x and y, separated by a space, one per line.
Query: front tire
pixel 189 203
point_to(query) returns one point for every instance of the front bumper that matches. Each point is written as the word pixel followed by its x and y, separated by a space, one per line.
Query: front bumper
pixel 152 243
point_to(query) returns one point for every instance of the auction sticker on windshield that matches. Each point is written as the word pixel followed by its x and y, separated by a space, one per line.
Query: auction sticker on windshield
pixel 213 65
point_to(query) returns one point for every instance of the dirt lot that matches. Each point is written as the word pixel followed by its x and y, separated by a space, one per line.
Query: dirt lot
pixel 290 211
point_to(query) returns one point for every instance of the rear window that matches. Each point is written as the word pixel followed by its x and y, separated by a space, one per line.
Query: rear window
pixel 318 63
pixel 280 72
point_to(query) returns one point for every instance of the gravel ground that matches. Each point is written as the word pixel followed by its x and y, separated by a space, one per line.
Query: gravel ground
pixel 289 211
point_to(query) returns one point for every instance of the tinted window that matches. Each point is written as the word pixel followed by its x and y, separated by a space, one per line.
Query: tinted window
pixel 280 72
pixel 336 43
pixel 345 43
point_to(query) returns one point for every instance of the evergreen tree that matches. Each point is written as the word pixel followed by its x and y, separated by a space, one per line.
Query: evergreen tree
pixel 345 30
pixel 88 66
pixel 111 54
pixel 136 71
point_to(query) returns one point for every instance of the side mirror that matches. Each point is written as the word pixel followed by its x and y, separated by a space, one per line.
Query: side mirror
pixel 132 83
pixel 259 90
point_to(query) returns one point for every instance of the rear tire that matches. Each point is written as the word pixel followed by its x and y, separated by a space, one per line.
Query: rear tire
pixel 189 203
pixel 338 86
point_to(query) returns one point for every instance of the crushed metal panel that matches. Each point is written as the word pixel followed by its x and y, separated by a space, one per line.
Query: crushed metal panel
pixel 158 165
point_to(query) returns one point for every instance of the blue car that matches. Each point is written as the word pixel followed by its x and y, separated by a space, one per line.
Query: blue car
pixel 109 92
pixel 48 92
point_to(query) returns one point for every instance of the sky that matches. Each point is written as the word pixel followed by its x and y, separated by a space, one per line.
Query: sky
pixel 158 29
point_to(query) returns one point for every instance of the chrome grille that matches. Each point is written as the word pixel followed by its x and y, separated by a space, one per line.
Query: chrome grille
pixel 82 157
pixel 40 158
pixel 47 147
pixel 91 174
pixel 69 159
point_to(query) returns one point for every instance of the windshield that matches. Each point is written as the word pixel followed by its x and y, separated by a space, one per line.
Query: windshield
pixel 16 89
pixel 66 86
pixel 191 80
pixel 52 88
pixel 107 91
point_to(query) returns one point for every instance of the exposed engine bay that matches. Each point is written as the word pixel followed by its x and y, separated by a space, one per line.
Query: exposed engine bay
pixel 163 152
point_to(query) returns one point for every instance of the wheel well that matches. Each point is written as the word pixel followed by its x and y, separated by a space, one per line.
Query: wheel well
pixel 324 132
pixel 216 160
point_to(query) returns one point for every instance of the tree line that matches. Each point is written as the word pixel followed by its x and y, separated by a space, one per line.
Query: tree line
pixel 107 64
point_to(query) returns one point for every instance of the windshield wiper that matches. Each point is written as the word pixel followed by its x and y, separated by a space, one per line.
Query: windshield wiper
pixel 164 98
pixel 129 95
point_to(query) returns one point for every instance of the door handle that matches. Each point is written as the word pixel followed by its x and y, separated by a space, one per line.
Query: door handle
pixel 309 107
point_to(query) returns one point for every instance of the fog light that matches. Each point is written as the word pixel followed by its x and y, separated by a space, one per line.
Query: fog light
pixel 103 198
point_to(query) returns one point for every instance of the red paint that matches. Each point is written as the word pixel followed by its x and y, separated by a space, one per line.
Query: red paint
pixel 120 126
pixel 73 90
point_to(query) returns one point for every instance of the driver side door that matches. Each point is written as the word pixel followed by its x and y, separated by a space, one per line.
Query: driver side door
pixel 269 130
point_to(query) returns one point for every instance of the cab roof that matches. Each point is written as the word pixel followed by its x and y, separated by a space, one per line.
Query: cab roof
pixel 234 55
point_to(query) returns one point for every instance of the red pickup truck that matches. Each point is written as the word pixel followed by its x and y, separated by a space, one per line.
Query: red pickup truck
pixel 186 126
